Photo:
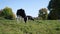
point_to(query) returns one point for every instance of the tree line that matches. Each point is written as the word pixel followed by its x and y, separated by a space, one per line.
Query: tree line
pixel 54 8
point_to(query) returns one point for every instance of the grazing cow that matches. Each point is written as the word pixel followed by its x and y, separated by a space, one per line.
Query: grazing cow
pixel 21 14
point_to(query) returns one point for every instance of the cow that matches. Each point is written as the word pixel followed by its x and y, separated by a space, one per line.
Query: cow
pixel 21 14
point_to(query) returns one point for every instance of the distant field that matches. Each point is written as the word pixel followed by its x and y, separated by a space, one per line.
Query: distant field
pixel 32 27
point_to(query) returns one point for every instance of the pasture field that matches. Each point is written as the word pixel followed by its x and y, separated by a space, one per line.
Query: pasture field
pixel 31 27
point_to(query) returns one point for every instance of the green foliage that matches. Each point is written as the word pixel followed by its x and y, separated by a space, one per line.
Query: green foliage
pixel 43 13
pixel 54 7
pixel 7 13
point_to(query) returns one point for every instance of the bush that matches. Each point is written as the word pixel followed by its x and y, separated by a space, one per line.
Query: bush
pixel 7 13
pixel 43 14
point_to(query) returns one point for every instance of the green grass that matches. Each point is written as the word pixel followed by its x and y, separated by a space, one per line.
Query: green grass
pixel 31 27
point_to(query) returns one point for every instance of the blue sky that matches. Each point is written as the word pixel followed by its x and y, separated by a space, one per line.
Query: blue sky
pixel 31 7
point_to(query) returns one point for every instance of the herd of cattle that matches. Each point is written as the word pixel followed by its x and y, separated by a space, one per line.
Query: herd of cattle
pixel 21 14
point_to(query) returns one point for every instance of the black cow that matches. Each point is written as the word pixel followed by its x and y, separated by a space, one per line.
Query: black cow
pixel 21 13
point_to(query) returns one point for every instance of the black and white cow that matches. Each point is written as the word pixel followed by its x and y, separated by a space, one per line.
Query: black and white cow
pixel 21 14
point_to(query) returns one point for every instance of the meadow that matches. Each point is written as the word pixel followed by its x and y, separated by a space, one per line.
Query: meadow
pixel 31 27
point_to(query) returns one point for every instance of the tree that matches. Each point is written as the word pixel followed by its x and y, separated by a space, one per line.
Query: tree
pixel 7 13
pixel 43 13
pixel 54 8
pixel 0 13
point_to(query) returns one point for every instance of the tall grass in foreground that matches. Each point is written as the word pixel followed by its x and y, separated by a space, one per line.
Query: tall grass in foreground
pixel 31 27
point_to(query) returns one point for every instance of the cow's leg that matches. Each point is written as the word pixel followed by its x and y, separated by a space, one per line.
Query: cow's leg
pixel 17 18
pixel 25 19
pixel 20 19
